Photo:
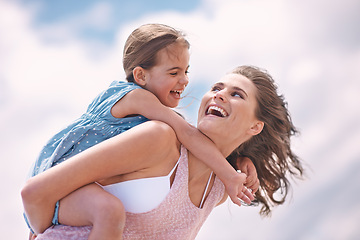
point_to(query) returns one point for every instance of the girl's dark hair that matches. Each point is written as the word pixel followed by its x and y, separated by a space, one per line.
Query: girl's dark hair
pixel 145 42
pixel 270 150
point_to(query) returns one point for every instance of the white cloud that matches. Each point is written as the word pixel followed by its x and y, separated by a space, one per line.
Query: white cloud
pixel 308 47
pixel 50 69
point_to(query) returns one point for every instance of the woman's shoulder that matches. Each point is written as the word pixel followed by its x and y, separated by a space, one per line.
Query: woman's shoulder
pixel 159 148
pixel 164 149
pixel 160 136
pixel 163 135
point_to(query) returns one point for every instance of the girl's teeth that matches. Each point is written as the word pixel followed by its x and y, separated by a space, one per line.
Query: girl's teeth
pixel 177 92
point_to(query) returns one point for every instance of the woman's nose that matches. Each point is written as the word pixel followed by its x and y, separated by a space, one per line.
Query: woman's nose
pixel 220 96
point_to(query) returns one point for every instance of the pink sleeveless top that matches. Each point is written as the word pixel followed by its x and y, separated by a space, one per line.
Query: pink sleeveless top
pixel 175 218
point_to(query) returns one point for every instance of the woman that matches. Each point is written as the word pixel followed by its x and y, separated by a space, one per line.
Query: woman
pixel 241 114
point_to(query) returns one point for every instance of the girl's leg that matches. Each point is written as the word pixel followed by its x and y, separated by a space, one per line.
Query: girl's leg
pixel 91 205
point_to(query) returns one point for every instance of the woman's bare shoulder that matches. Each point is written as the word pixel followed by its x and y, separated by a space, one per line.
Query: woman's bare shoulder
pixel 158 151
pixel 162 141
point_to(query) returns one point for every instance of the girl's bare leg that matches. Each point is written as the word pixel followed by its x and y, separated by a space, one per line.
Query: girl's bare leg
pixel 91 205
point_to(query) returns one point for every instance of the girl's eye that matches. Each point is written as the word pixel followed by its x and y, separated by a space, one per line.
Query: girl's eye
pixel 175 73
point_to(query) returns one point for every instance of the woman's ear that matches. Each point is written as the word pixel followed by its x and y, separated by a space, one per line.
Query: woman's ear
pixel 256 128
pixel 139 76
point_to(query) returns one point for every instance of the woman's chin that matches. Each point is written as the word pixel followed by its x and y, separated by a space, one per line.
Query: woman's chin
pixel 211 121
pixel 209 127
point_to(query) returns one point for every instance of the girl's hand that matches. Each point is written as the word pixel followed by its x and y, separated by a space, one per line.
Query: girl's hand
pixel 236 189
pixel 245 165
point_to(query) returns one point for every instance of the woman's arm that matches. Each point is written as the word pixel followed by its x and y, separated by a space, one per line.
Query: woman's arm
pixel 142 147
pixel 143 102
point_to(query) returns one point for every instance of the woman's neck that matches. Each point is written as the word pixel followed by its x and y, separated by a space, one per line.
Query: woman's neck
pixel 197 168
pixel 227 146
pixel 199 175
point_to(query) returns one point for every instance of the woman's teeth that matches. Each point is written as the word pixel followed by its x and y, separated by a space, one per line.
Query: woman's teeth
pixel 214 110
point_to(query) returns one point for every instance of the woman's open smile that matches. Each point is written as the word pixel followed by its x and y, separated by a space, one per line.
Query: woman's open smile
pixel 216 110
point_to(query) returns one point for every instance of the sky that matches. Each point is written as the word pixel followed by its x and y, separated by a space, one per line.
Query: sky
pixel 56 56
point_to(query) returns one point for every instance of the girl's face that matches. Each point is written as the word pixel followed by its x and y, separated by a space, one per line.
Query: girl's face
pixel 227 112
pixel 168 78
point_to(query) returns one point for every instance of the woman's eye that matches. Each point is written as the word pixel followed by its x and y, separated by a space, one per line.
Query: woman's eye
pixel 215 89
pixel 237 94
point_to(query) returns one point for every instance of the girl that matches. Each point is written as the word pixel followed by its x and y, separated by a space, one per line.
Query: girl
pixel 156 62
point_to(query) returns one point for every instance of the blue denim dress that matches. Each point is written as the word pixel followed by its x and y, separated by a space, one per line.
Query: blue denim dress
pixel 93 127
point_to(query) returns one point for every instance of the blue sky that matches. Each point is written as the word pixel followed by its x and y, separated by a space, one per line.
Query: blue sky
pixel 50 12
pixel 55 56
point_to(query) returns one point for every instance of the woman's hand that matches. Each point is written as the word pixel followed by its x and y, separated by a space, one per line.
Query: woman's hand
pixel 245 165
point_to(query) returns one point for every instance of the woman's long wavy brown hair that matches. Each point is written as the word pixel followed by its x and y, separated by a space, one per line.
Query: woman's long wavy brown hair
pixel 270 151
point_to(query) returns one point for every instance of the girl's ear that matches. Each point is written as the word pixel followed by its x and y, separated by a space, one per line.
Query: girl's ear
pixel 256 128
pixel 139 76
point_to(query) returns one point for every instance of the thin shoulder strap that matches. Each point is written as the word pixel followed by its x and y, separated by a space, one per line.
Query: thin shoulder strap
pixel 206 189
pixel 172 170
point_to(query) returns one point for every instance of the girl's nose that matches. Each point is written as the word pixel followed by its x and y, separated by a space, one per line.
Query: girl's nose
pixel 184 80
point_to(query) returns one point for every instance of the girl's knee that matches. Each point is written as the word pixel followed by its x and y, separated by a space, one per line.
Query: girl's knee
pixel 109 209
pixel 107 214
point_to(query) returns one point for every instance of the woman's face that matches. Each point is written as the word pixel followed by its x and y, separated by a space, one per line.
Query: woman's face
pixel 227 112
